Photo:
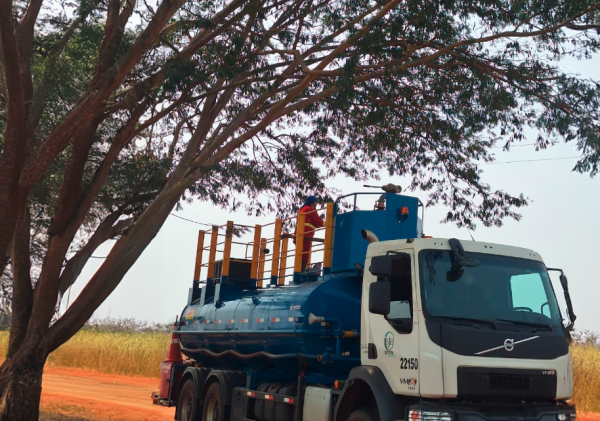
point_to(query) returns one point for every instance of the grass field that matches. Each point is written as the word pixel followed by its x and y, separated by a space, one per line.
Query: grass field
pixel 586 376
pixel 139 354
pixel 129 354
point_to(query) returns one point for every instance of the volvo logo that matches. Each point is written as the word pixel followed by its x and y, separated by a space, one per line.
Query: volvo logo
pixel 509 345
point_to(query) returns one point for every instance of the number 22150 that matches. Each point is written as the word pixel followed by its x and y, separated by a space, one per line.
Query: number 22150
pixel 409 363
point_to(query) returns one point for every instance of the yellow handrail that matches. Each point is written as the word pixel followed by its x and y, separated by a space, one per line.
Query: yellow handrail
pixel 276 246
pixel 199 250
pixel 261 263
pixel 328 237
pixel 255 252
pixel 213 250
pixel 227 249
pixel 299 242
pixel 282 268
pixel 280 243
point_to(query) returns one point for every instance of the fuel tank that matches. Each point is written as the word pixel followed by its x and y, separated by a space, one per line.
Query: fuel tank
pixel 269 329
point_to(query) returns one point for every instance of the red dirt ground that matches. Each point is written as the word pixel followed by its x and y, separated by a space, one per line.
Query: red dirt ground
pixel 89 395
pixel 72 394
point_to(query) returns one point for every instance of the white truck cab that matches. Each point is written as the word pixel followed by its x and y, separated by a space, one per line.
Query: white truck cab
pixel 464 330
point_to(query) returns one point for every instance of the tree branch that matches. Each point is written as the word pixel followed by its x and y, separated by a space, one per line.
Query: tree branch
pixel 113 34
pixel 41 90
pixel 71 185
pixel 89 107
pixel 272 114
pixel 105 231
pixel 121 257
pixel 121 139
pixel 22 290
pixel 14 154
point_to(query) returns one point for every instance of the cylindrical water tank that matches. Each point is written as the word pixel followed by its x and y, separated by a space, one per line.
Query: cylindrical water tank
pixel 269 328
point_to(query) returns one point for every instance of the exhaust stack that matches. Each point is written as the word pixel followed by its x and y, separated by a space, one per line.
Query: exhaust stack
pixel 369 236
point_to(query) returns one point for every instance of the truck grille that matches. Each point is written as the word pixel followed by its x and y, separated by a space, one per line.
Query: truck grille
pixel 503 384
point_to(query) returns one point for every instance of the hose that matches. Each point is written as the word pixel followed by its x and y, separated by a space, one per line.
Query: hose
pixel 249 356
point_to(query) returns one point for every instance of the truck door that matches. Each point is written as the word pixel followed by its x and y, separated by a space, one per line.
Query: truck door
pixel 392 341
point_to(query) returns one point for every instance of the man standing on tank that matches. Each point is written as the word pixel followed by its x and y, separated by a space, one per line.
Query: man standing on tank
pixel 312 221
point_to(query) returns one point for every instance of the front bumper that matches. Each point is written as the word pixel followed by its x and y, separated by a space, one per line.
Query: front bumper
pixel 490 412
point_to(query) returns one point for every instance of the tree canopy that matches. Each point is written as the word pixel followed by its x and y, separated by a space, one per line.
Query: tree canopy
pixel 112 112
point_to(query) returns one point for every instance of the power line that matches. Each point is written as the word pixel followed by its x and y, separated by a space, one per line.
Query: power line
pixel 528 160
pixel 176 216
pixel 478 163
pixel 195 222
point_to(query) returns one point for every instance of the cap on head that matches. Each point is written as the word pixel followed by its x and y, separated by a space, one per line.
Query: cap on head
pixel 310 200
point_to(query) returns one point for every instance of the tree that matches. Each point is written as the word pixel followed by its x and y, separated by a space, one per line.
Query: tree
pixel 114 112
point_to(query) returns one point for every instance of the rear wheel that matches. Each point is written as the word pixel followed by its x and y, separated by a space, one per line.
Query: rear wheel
pixel 364 414
pixel 214 408
pixel 187 404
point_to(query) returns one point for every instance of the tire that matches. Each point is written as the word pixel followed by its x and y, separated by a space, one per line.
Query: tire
pixel 364 414
pixel 188 407
pixel 214 408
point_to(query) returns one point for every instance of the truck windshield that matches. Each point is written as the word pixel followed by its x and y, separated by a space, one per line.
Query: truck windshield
pixel 502 289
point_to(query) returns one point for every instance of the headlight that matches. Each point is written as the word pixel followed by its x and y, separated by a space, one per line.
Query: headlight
pixel 567 416
pixel 418 415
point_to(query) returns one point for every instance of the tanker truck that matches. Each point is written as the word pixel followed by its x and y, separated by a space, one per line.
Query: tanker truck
pixel 389 325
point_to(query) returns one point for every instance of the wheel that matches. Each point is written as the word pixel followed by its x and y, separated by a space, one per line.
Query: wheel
pixel 364 414
pixel 188 407
pixel 214 409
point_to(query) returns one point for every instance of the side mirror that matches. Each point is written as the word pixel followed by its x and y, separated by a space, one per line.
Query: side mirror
pixel 564 282
pixel 565 286
pixel 379 297
pixel 388 265
pixel 459 257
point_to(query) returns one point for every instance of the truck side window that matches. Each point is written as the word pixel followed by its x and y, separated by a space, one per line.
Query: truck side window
pixel 401 296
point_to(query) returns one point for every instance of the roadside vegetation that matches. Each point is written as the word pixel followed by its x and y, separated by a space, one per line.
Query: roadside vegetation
pixel 132 348
pixel 586 371
pixel 114 346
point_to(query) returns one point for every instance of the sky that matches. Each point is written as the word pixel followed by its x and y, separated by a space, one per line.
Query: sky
pixel 560 223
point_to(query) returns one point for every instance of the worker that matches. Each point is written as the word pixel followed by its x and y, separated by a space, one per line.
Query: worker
pixel 312 221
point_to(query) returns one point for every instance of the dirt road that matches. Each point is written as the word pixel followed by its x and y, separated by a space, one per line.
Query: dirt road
pixel 73 395
pixel 86 395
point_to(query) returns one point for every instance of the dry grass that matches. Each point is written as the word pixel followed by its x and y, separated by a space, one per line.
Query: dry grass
pixel 128 354
pixel 586 374
pixel 139 354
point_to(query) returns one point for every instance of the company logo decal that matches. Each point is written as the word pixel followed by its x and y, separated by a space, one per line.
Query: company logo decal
pixel 388 341
pixel 508 345
pixel 295 307
pixel 411 383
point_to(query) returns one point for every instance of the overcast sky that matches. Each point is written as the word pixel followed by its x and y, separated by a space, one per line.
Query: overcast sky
pixel 561 223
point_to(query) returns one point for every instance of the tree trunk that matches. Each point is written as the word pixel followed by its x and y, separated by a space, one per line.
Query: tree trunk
pixel 21 386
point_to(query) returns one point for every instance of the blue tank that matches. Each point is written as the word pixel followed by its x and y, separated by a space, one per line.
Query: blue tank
pixel 269 328
pixel 239 327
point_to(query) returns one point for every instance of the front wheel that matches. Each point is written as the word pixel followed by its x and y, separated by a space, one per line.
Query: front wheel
pixel 364 414
pixel 214 408
pixel 187 404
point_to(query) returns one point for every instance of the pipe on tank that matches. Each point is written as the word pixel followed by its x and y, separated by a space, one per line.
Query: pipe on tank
pixel 249 356
pixel 369 236
pixel 320 358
